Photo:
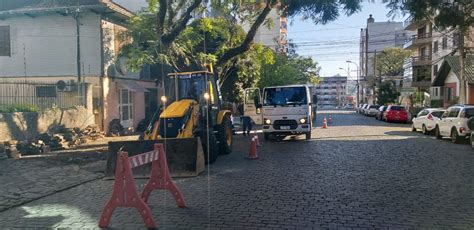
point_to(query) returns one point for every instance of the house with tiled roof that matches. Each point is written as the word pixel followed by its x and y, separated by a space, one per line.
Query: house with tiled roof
pixel 74 45
pixel 448 78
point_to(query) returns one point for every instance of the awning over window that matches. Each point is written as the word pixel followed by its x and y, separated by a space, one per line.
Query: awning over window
pixel 131 85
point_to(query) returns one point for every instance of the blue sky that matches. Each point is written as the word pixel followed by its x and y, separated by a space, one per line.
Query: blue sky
pixel 334 43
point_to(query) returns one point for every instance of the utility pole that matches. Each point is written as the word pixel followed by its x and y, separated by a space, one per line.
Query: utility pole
pixel 77 16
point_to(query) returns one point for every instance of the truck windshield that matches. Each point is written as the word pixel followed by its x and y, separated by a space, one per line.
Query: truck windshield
pixel 285 96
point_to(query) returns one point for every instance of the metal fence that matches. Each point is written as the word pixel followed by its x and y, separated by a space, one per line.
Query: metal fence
pixel 42 95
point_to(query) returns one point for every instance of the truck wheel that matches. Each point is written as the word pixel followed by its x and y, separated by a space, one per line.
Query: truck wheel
pixel 225 136
pixel 308 135
pixel 213 147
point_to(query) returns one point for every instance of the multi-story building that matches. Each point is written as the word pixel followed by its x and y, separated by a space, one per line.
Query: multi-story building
pixel 430 47
pixel 73 48
pixel 373 40
pixel 331 91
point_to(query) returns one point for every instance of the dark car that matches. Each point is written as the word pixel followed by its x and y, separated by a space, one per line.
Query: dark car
pixel 379 115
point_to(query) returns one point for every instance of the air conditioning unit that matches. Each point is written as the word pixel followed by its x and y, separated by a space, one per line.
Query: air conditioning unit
pixel 65 85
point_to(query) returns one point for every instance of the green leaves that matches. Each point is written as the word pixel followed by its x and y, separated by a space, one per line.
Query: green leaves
pixel 289 69
pixel 390 61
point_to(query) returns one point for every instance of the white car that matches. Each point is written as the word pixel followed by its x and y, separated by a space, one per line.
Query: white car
pixel 362 109
pixel 426 120
pixel 372 110
pixel 453 123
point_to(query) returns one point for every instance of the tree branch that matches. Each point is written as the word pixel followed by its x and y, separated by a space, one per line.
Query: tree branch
pixel 245 46
pixel 181 25
pixel 160 19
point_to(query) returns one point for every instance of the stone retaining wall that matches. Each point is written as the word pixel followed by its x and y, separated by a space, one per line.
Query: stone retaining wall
pixel 25 126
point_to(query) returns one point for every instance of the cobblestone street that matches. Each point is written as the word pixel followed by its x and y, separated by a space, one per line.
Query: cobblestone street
pixel 359 173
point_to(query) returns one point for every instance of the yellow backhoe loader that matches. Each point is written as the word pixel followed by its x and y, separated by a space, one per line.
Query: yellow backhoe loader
pixel 190 123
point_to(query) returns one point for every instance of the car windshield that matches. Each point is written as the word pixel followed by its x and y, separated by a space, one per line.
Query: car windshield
pixel 374 107
pixel 285 96
pixel 397 108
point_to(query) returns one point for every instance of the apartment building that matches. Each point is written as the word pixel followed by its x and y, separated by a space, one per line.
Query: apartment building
pixel 373 40
pixel 332 91
pixel 430 48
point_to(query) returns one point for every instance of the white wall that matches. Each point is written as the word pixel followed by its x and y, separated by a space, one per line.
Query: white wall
pixel 47 43
pixel 453 79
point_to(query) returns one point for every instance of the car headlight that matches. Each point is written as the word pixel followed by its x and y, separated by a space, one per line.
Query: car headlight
pixel 303 120
pixel 267 121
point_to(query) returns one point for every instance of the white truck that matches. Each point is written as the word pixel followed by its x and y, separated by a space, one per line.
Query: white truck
pixel 284 110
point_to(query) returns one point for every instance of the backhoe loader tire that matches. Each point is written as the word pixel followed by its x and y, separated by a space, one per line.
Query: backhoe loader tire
pixel 213 147
pixel 225 136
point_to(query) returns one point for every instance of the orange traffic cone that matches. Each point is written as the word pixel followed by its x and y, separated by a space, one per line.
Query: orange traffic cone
pixel 330 119
pixel 257 140
pixel 325 123
pixel 253 150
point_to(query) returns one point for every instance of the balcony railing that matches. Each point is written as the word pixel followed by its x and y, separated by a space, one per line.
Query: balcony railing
pixel 421 58
pixel 417 39
pixel 408 21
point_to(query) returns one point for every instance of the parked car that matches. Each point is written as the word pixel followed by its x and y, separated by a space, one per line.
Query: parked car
pixel 426 120
pixel 380 112
pixel 395 113
pixel 364 108
pixel 372 110
pixel 470 124
pixel 349 106
pixel 453 123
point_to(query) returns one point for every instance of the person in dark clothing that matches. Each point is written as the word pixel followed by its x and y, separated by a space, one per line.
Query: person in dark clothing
pixel 245 121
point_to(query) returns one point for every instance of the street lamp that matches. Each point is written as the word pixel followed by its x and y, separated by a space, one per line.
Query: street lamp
pixel 357 79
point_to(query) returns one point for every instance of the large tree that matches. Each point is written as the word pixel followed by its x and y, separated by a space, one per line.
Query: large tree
pixel 171 17
pixel 454 14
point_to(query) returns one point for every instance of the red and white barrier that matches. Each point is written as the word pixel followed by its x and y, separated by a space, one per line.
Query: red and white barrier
pixel 125 192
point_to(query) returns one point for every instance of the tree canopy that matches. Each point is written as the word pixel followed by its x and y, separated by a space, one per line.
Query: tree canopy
pixel 289 69
pixel 390 61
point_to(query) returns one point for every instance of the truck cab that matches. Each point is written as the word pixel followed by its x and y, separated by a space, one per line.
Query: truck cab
pixel 284 110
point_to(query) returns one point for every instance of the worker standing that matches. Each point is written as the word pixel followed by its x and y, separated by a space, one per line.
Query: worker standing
pixel 245 121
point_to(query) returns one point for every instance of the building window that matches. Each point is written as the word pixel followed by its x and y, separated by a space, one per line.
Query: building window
pixel 5 41
pixel 435 47
pixel 435 70
pixel 436 92
pixel 444 43
pixel 125 105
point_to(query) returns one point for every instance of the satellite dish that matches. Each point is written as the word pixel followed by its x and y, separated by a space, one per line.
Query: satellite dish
pixel 61 85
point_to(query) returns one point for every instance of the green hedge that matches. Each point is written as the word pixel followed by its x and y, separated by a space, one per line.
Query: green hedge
pixel 437 103
pixel 18 108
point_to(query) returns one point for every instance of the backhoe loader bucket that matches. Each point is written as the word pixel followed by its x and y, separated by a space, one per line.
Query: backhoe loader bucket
pixel 184 155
